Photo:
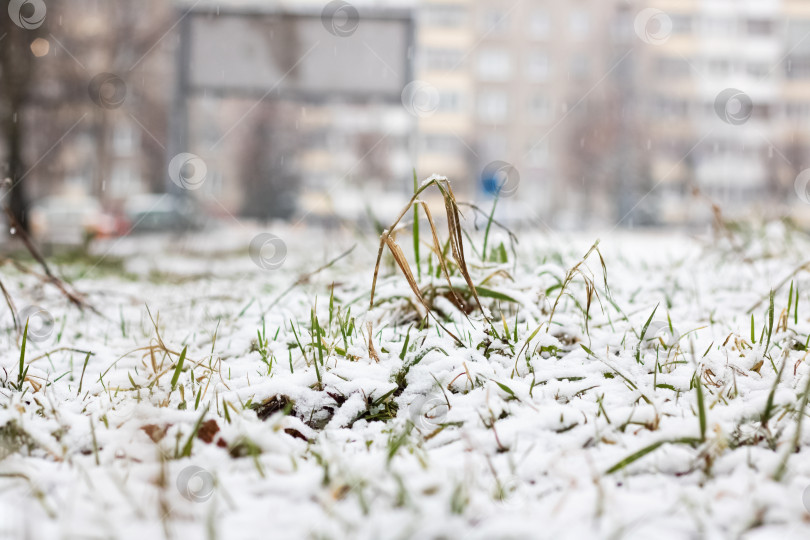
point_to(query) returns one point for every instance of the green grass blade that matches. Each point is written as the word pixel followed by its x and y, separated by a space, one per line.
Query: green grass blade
pixel 21 374
pixel 489 293
pixel 797 436
pixel 646 450
pixel 701 406
pixel 190 442
pixel 405 345
pixel 753 332
pixel 790 300
pixel 768 412
pixel 84 368
pixel 796 306
pixel 489 226
pixel 770 322
pixel 644 333
pixel 416 230
pixel 179 368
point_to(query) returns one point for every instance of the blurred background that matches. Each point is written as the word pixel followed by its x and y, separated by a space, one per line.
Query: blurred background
pixel 124 117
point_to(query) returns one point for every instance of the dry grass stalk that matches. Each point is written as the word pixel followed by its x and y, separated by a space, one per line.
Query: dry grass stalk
pixel 402 262
pixel 372 352
pixel 74 297
pixel 456 246
pixel 11 307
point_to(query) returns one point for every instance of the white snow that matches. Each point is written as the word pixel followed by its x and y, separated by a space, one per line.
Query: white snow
pixel 521 452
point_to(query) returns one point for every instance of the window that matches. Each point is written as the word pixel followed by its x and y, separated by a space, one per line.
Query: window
pixel 762 112
pixel 494 22
pixel 676 148
pixel 450 102
pixel 797 67
pixel 538 66
pixel 797 111
pixel 317 139
pixel 539 24
pixel 760 27
pixel 719 66
pixel 579 25
pixel 441 144
pixel 494 65
pixel 797 32
pixel 124 179
pixel 494 146
pixel 681 24
pixel 759 70
pixel 622 27
pixel 493 106
pixel 444 15
pixel 580 66
pixel 674 108
pixel 672 67
pixel 718 27
pixel 539 108
pixel 438 59
pixel 124 139
pixel 537 152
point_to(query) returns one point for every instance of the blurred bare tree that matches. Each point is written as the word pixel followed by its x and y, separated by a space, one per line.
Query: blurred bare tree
pixel 69 86
pixel 590 158
pixel 17 75
pixel 268 168
pixel 112 64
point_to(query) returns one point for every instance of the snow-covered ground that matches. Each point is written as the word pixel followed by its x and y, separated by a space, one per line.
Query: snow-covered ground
pixel 532 424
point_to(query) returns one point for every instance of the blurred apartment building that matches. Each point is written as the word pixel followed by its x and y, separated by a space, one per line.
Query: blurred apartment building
pixel 614 111
pixel 521 86
pixel 595 112
pixel 340 147
pixel 726 99
pixel 86 129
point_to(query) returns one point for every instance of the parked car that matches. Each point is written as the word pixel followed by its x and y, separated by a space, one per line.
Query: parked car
pixel 70 220
pixel 161 212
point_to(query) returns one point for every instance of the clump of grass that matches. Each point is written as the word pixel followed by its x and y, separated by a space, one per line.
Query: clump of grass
pixel 267 408
pixel 186 452
pixel 13 439
pixel 590 287
pixel 632 458
pixel 689 441
pixel 643 334
pixel 797 435
pixel 455 243
pixel 398 440
pixel 382 409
